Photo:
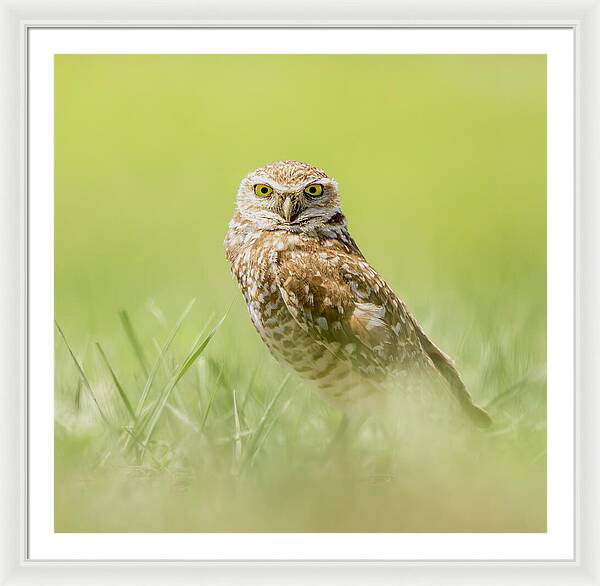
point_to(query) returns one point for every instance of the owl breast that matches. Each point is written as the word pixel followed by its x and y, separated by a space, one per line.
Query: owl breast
pixel 254 259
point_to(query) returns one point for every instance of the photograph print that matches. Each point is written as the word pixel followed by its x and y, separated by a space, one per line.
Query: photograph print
pixel 300 293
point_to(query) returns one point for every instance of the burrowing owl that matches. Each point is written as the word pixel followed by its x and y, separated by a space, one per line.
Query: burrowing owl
pixel 316 302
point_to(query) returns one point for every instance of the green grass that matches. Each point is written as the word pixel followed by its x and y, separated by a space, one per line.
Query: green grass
pixel 212 444
pixel 161 425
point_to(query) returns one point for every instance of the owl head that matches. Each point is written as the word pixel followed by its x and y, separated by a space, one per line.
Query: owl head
pixel 288 195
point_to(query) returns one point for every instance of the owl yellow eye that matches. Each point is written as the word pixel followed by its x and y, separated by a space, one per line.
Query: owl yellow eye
pixel 314 190
pixel 263 190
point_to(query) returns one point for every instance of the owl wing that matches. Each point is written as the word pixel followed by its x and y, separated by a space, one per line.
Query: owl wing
pixel 343 303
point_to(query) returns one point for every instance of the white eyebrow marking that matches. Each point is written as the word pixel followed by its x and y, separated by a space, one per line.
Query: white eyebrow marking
pixel 255 179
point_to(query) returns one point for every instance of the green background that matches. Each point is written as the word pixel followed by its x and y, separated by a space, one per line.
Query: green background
pixel 441 162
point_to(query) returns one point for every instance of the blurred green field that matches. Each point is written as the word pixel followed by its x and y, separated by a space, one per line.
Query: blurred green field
pixel 441 161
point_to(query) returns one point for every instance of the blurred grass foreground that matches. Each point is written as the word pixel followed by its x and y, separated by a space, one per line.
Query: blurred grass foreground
pixel 169 413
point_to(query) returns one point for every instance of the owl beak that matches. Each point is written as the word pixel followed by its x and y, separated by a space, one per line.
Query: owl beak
pixel 287 209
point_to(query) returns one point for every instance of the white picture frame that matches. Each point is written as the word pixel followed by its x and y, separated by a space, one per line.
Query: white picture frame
pixel 17 18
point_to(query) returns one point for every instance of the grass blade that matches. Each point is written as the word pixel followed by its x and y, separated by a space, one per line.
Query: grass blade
pixel 215 367
pixel 160 357
pixel 250 385
pixel 211 398
pixel 84 378
pixel 78 395
pixel 182 417
pixel 133 340
pixel 251 449
pixel 237 445
pixel 268 429
pixel 142 420
pixel 122 393
pixel 188 362
pixel 131 435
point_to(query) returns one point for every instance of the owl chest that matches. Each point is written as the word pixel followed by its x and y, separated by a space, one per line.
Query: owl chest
pixel 256 270
pixel 256 273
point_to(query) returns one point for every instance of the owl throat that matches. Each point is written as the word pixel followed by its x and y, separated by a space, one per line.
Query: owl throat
pixel 250 238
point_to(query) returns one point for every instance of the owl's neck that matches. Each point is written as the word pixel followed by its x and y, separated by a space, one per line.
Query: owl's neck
pixel 243 231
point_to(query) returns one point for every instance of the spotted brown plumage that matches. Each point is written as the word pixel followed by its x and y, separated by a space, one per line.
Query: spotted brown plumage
pixel 316 302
